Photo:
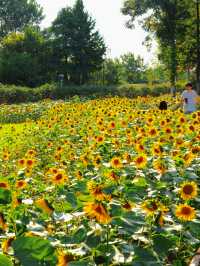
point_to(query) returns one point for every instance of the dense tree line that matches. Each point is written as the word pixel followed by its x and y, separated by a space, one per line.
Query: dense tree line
pixel 72 46
pixel 31 56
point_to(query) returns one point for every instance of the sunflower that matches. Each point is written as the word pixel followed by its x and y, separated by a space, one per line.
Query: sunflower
pixel 188 190
pixel 59 178
pixel 4 184
pixel 152 132
pixel 22 162
pixel 160 166
pixel 79 175
pixel 15 200
pixel 49 144
pixel 97 161
pixel 141 161
pixel 116 162
pixel 113 176
pixel 140 147
pixel 96 191
pixel 128 206
pixel 150 206
pixel 127 157
pixel 20 184
pixel 52 171
pixel 31 153
pixel 168 130
pixel 185 212
pixel 97 211
pixel 3 224
pixel 112 125
pixel 157 149
pixel 100 139
pixel 6 244
pixel 6 156
pixel 44 205
pixel 63 259
pixel 30 163
pixel 59 149
pixel 28 172
pixel 188 158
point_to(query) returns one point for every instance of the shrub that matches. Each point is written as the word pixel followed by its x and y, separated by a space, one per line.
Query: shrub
pixel 17 94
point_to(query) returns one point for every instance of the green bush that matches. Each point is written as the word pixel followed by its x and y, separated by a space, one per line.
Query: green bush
pixel 16 94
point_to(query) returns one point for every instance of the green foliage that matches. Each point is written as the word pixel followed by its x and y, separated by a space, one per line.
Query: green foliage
pixel 15 15
pixel 32 251
pixel 5 196
pixel 169 21
pixel 77 44
pixel 112 71
pixel 126 69
pixel 133 68
pixel 4 260
pixel 17 94
pixel 22 58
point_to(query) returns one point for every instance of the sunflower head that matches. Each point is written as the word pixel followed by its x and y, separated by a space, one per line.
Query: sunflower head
pixel 150 206
pixel 185 212
pixel 4 184
pixel 97 211
pixel 188 190
pixel 44 205
pixel 21 184
pixel 141 161
pixel 116 162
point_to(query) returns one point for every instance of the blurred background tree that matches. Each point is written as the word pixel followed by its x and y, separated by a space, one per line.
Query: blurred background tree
pixel 16 15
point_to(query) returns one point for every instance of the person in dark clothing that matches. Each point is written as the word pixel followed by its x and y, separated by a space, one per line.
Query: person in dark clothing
pixel 163 106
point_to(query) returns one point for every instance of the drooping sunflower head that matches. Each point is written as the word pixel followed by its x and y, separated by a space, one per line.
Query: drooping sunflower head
pixel 150 206
pixel 44 205
pixel 63 258
pixel 160 166
pixel 96 190
pixel 6 244
pixel 188 190
pixel 188 158
pixel 97 211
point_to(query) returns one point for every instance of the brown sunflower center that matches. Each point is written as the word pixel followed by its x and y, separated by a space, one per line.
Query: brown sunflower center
pixel 99 210
pixel 153 206
pixel 188 189
pixel 3 185
pixel 59 177
pixel 140 160
pixel 116 162
pixel 186 211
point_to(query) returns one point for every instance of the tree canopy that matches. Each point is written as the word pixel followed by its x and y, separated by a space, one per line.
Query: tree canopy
pixel 78 44
pixel 15 15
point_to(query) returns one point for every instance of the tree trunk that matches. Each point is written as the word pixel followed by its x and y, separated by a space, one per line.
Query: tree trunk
pixel 173 66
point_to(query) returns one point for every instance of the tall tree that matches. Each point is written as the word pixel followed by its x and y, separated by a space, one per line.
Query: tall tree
pixel 133 68
pixel 78 45
pixel 25 58
pixel 15 15
pixel 165 19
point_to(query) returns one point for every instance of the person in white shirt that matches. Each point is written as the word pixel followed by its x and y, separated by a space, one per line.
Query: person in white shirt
pixel 189 99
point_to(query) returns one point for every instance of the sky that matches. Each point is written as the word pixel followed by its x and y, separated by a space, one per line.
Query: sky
pixel 111 24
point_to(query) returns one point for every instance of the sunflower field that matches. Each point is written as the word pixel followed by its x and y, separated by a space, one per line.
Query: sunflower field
pixel 111 181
